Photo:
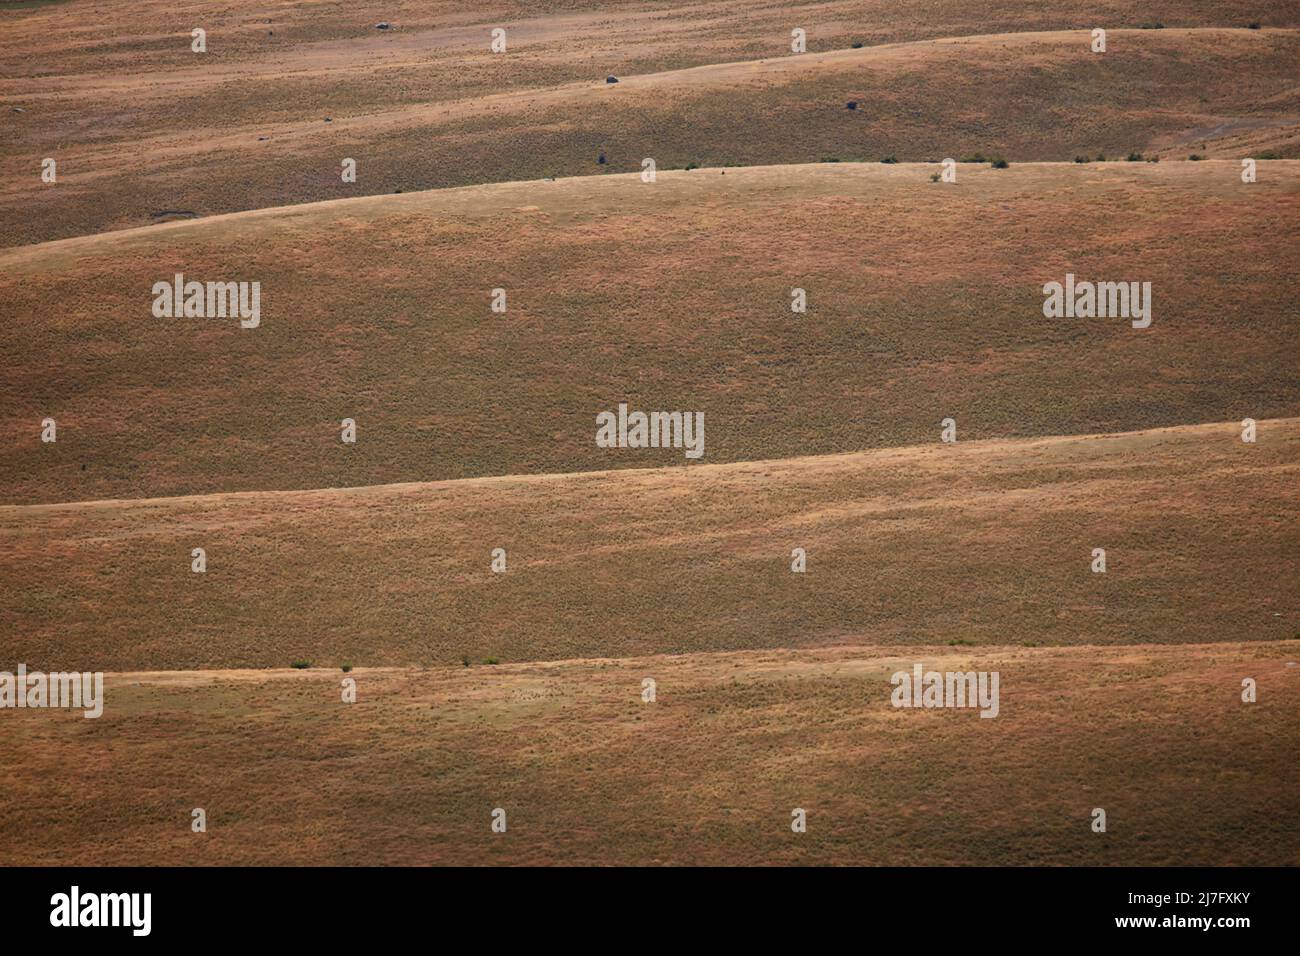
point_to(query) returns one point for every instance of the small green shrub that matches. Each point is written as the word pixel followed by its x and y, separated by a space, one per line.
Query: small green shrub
pixel 300 665
pixel 1000 163
pixel 1135 157
pixel 346 668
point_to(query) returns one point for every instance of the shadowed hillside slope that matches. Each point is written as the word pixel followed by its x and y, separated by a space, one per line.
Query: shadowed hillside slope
pixel 1029 96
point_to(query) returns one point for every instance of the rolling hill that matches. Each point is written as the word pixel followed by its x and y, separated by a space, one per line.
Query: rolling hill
pixel 499 276
pixel 973 543
pixel 201 140
pixel 707 775
pixel 925 301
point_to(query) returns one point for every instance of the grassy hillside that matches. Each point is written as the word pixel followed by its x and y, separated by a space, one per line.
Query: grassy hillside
pixel 925 301
pixel 977 543
pixel 708 774
pixel 476 430
pixel 206 136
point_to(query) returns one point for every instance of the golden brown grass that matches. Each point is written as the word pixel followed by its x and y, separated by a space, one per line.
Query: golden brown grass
pixel 925 301
pixel 139 124
pixel 980 543
pixel 477 431
pixel 709 774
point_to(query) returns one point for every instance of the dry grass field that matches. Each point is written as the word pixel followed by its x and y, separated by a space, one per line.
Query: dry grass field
pixel 985 543
pixel 476 430
pixel 924 301
pixel 141 125
pixel 708 774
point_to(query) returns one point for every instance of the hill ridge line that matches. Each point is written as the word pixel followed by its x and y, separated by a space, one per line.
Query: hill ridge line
pixel 816 655
pixel 541 477
pixel 11 255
